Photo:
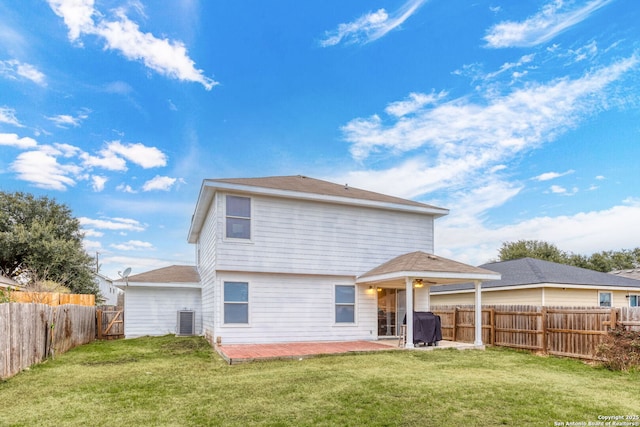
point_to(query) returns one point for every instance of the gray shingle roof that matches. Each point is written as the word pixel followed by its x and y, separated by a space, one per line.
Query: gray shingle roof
pixel 632 273
pixel 530 271
pixel 304 184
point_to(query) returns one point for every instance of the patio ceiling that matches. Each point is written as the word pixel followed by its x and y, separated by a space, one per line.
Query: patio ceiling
pixel 431 269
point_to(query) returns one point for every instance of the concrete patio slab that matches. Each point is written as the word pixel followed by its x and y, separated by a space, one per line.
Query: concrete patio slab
pixel 244 353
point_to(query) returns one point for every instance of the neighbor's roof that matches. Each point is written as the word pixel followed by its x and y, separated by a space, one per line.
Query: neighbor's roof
pixel 171 274
pixel 428 267
pixel 632 273
pixel 531 271
pixel 302 187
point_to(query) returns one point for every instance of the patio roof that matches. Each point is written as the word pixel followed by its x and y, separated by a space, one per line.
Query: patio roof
pixel 430 268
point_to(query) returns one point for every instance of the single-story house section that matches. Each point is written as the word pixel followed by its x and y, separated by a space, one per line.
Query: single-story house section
pixel 536 282
pixel 162 301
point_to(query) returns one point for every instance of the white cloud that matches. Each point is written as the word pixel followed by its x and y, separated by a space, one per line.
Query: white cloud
pixel 370 26
pixel 133 245
pixel 64 120
pixel 582 233
pixel 541 27
pixel 161 183
pixel 552 175
pixel 413 103
pixel 93 233
pixel 125 188
pixel 167 57
pixel 140 154
pixel 106 160
pixel 8 116
pixel 12 140
pixel 461 139
pixel 557 189
pixel 77 16
pixel 114 224
pixel 13 68
pixel 98 182
pixel 43 170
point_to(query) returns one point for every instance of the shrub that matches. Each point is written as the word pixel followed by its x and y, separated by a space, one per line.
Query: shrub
pixel 620 350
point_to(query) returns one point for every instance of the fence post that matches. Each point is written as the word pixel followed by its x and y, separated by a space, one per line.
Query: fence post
pixel 99 323
pixel 544 329
pixel 492 320
pixel 613 322
pixel 455 317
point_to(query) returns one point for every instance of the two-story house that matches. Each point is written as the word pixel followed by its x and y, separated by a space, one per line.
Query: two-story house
pixel 291 258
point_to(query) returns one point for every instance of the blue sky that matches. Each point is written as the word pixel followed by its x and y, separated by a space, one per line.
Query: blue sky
pixel 522 118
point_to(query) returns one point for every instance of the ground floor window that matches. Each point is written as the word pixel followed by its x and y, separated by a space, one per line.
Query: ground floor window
pixel 345 296
pixel 634 300
pixel 605 299
pixel 236 302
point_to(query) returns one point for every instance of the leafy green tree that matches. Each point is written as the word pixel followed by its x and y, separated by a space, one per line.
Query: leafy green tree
pixel 604 261
pixel 532 249
pixel 40 240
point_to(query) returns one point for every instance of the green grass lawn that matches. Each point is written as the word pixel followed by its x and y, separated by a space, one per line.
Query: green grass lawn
pixel 169 381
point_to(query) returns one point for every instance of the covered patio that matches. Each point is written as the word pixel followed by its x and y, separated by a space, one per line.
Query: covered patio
pixel 416 272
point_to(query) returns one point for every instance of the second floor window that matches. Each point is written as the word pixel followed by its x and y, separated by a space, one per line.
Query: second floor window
pixel 238 217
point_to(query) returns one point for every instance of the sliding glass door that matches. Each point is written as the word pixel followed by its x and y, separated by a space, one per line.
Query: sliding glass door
pixel 391 310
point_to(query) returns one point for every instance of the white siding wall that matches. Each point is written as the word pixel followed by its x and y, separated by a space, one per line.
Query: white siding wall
pixel 289 308
pixel 292 236
pixel 206 268
pixel 154 310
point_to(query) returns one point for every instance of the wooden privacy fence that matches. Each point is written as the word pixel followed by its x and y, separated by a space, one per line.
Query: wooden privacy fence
pixel 53 298
pixel 110 323
pixel 29 333
pixel 572 332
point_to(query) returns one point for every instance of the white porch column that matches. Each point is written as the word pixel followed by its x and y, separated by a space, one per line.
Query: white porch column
pixel 409 336
pixel 478 313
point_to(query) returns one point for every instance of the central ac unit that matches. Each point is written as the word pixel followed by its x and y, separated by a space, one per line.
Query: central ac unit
pixel 186 322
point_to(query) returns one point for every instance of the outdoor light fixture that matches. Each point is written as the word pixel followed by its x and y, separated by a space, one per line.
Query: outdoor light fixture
pixel 418 283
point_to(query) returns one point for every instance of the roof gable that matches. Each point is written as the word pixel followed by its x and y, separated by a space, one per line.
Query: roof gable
pixel 427 266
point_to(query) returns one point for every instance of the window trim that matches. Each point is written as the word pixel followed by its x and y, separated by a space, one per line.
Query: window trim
pixel 610 299
pixel 247 303
pixel 637 297
pixel 353 304
pixel 249 218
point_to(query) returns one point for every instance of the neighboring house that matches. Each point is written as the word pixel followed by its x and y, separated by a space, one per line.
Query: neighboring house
pixel 161 301
pixel 286 259
pixel 536 282
pixel 109 292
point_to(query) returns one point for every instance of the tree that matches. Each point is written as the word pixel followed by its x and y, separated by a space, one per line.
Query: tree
pixel 41 241
pixel 532 249
pixel 604 261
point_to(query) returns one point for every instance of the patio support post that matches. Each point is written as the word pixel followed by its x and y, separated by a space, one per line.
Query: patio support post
pixel 478 313
pixel 409 336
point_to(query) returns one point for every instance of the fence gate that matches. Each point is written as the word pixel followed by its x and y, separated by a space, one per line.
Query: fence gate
pixel 110 324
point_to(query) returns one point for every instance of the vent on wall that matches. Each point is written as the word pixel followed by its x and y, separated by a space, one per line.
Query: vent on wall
pixel 186 322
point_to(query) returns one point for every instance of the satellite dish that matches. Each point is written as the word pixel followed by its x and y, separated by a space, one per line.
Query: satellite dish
pixel 126 273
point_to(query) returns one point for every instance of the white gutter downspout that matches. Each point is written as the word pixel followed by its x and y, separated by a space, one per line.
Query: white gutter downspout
pixel 478 308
